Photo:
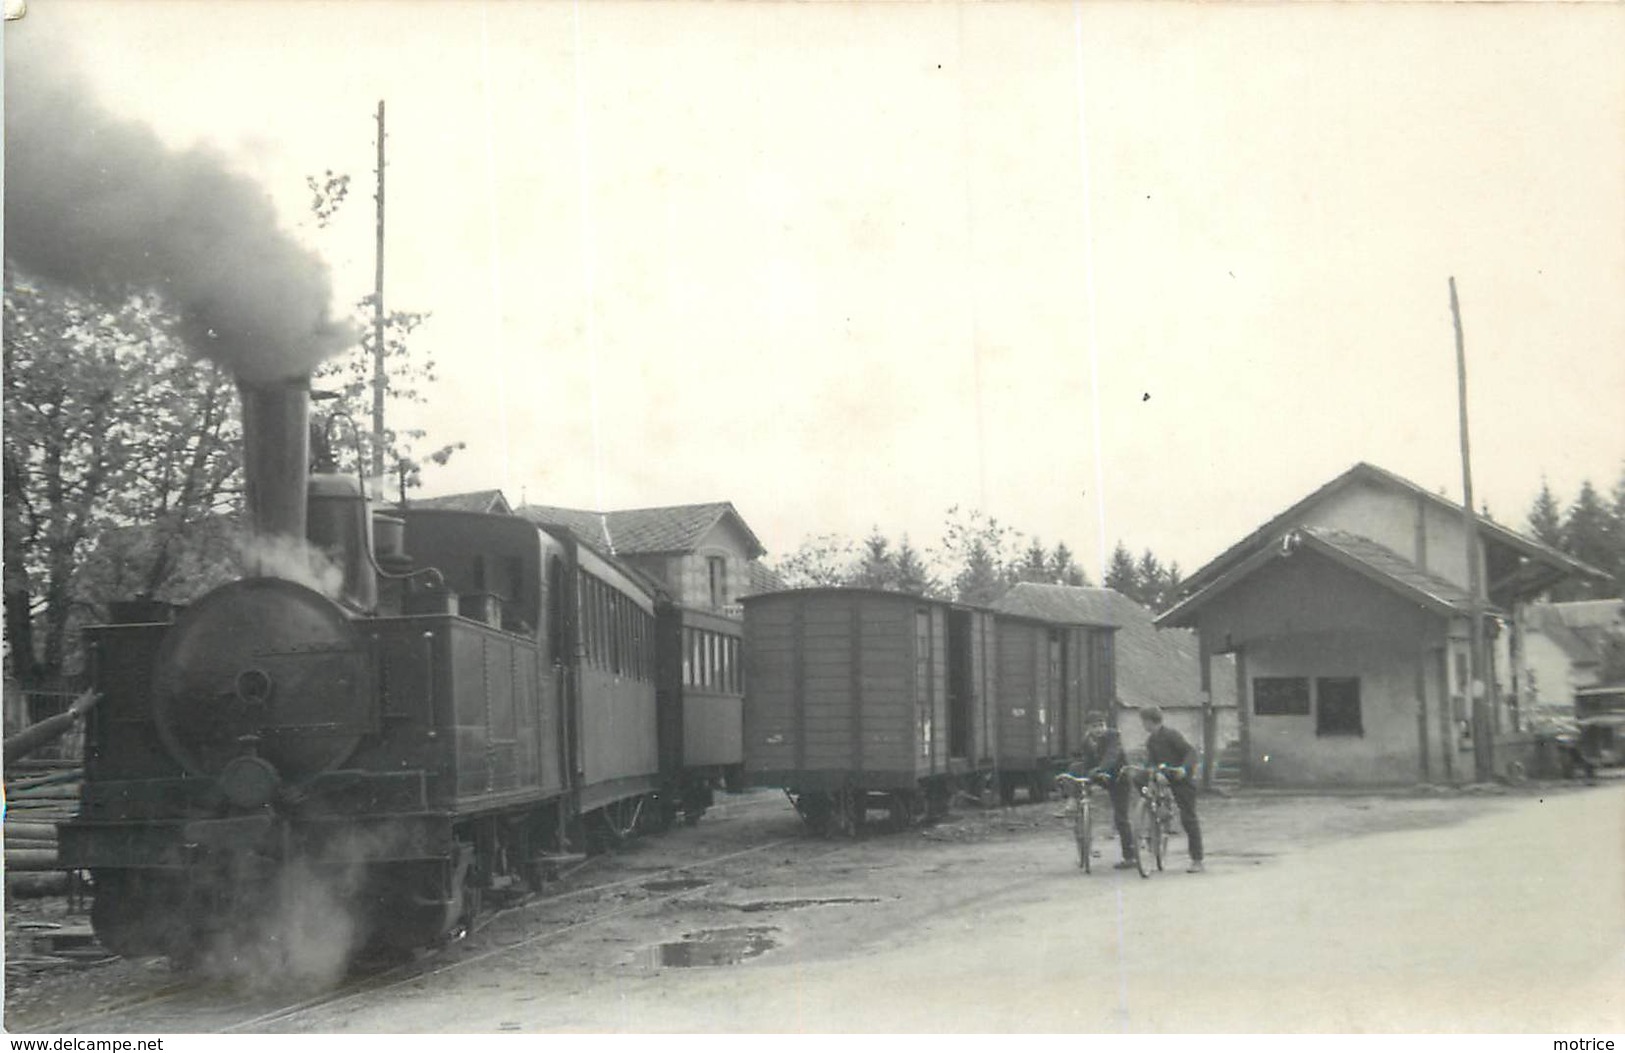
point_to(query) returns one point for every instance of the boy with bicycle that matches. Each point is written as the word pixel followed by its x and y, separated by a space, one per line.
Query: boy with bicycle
pixel 1101 759
pixel 1167 748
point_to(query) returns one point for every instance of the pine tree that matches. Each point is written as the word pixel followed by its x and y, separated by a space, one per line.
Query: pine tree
pixel 980 580
pixel 1064 569
pixel 912 575
pixel 1590 535
pixel 1034 565
pixel 1151 579
pixel 1545 517
pixel 1121 573
pixel 878 567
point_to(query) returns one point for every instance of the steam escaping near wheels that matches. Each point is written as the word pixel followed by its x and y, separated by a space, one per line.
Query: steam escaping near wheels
pixel 310 930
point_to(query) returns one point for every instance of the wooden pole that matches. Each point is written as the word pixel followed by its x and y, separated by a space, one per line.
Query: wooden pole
pixel 378 317
pixel 1204 661
pixel 1483 748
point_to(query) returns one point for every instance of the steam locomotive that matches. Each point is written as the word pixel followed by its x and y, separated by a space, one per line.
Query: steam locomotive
pixel 441 706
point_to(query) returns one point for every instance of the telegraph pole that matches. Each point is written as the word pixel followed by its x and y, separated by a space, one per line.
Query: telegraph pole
pixel 1477 674
pixel 378 318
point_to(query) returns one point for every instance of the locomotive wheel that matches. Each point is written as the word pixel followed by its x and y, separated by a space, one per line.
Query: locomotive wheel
pixel 1007 791
pixel 132 915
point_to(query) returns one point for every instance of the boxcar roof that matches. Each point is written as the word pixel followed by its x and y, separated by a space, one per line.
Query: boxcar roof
pixel 843 590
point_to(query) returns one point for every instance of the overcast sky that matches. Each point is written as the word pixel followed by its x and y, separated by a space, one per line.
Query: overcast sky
pixel 1138 271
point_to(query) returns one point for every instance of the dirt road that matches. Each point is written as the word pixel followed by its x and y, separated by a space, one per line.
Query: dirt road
pixel 1448 912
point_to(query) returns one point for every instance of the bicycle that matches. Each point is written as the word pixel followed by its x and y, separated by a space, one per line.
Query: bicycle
pixel 1152 819
pixel 1083 819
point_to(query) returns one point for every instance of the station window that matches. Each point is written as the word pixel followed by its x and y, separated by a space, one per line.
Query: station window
pixel 1337 706
pixel 1281 696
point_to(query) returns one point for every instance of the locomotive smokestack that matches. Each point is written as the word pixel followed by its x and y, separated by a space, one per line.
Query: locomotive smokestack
pixel 276 455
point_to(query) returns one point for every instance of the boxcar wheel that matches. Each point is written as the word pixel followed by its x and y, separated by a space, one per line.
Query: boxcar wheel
pixel 816 810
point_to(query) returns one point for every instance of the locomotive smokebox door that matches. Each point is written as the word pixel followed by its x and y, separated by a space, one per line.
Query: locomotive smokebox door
pixel 264 681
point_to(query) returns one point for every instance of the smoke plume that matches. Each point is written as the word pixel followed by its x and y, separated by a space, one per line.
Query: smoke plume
pixel 97 202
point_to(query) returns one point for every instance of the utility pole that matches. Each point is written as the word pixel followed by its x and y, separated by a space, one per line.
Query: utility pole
pixel 378 318
pixel 1478 696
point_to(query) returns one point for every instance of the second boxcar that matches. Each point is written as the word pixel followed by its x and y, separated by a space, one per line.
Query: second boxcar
pixel 1050 678
pixel 861 699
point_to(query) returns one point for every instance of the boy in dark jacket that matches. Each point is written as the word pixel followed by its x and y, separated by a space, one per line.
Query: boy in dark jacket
pixel 1102 756
pixel 1165 746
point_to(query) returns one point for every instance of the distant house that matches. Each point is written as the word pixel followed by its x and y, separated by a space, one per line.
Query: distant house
pixel 1155 666
pixel 705 554
pixel 1348 617
pixel 1572 656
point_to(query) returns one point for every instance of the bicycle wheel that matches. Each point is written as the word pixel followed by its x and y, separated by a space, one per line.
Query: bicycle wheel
pixel 1159 836
pixel 1145 834
pixel 1083 828
pixel 1165 827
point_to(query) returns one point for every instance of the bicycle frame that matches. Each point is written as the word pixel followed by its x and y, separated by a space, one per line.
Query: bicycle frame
pixel 1083 819
pixel 1153 820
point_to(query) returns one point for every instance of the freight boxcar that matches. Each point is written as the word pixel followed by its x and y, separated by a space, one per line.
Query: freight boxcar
pixel 860 699
pixel 1050 678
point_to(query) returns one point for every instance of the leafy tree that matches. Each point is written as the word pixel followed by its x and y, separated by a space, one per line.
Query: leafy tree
pixel 109 423
pixel 823 560
pixel 352 376
pixel 978 555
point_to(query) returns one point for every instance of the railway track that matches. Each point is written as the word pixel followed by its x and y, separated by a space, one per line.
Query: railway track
pixel 188 1006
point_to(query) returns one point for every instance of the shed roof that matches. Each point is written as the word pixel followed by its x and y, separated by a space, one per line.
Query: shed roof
pixel 1375 562
pixel 1154 666
pixel 1557 564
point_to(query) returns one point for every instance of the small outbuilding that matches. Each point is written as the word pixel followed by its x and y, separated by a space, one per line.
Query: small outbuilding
pixel 1348 616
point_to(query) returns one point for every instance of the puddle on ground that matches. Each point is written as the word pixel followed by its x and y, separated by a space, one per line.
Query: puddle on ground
pixel 681 884
pixel 717 947
pixel 793 904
